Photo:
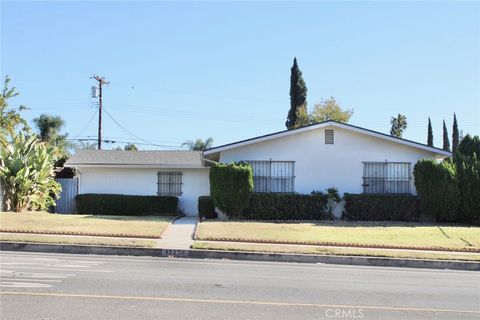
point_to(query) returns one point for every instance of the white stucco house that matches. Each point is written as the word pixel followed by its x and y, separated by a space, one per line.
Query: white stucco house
pixel 316 157
pixel 183 174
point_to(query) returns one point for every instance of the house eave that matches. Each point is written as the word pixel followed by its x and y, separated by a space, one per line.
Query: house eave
pixel 133 166
pixel 350 127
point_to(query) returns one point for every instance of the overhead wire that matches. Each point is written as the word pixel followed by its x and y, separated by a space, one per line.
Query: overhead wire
pixel 131 133
pixel 87 124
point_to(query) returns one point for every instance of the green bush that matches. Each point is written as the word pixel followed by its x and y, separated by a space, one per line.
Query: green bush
pixel 206 209
pixel 379 207
pixel 437 188
pixel 230 187
pixel 272 206
pixel 469 146
pixel 468 172
pixel 120 204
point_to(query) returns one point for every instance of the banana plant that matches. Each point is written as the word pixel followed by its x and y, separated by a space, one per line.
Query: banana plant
pixel 26 173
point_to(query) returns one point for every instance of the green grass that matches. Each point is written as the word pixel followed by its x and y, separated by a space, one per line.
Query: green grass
pixel 83 240
pixel 375 233
pixel 299 249
pixel 147 226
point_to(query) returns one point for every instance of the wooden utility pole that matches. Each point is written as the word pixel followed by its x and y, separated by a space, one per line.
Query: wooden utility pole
pixel 101 82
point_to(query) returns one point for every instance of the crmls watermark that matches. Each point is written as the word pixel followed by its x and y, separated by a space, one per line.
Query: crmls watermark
pixel 344 313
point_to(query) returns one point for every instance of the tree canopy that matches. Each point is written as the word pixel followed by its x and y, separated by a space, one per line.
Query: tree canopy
pixel 130 147
pixel 399 124
pixel 455 135
pixel 446 141
pixel 430 134
pixel 199 144
pixel 49 128
pixel 298 95
pixel 329 110
pixel 10 118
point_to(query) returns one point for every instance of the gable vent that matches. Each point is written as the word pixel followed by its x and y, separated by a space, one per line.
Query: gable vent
pixel 329 136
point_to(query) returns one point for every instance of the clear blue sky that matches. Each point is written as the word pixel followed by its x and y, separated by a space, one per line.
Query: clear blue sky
pixel 181 71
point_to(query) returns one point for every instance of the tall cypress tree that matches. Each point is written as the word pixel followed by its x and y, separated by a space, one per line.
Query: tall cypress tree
pixel 430 133
pixel 298 95
pixel 455 135
pixel 446 141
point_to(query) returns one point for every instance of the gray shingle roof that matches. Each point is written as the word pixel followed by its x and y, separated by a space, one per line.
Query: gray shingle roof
pixel 168 159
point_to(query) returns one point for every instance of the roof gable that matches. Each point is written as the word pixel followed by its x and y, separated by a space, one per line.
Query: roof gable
pixel 333 123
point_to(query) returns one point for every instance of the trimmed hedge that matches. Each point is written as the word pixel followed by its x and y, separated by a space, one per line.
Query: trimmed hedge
pixel 206 209
pixel 127 205
pixel 271 206
pixel 373 207
pixel 230 187
pixel 467 161
pixel 469 146
pixel 437 188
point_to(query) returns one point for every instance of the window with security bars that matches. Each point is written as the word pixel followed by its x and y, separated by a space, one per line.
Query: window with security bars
pixel 386 177
pixel 169 183
pixel 273 176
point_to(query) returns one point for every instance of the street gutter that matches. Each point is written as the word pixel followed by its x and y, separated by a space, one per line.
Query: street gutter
pixel 236 255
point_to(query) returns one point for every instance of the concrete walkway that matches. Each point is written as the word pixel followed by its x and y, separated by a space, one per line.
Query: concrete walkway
pixel 179 234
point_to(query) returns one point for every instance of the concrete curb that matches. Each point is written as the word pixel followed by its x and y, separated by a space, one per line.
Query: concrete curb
pixel 233 255
pixel 337 244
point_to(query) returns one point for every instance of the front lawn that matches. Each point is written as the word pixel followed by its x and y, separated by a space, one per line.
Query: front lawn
pixel 81 240
pixel 367 233
pixel 41 222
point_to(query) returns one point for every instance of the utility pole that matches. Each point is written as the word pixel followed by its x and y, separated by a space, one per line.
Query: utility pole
pixel 101 82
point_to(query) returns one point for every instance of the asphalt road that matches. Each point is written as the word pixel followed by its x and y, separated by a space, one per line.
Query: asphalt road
pixel 62 286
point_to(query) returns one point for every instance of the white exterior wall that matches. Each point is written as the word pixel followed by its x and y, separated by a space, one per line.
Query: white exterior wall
pixel 135 181
pixel 319 166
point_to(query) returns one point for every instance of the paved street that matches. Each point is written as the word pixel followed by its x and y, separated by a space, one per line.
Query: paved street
pixel 61 286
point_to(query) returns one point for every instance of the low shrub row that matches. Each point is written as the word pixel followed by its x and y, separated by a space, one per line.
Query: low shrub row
pixel 373 207
pixel 206 208
pixel 128 205
pixel 358 207
pixel 271 206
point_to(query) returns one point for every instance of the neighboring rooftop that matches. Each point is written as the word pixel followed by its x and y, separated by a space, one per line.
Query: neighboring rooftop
pixel 158 159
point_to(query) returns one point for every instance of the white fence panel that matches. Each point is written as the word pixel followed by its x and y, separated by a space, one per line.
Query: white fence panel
pixel 66 203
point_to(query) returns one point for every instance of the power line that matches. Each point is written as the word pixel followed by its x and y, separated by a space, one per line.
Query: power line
pixel 111 140
pixel 172 143
pixel 87 124
pixel 129 132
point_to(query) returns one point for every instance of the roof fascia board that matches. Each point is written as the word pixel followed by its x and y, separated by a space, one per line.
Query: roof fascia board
pixel 393 139
pixel 140 166
pixel 263 138
pixel 326 124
